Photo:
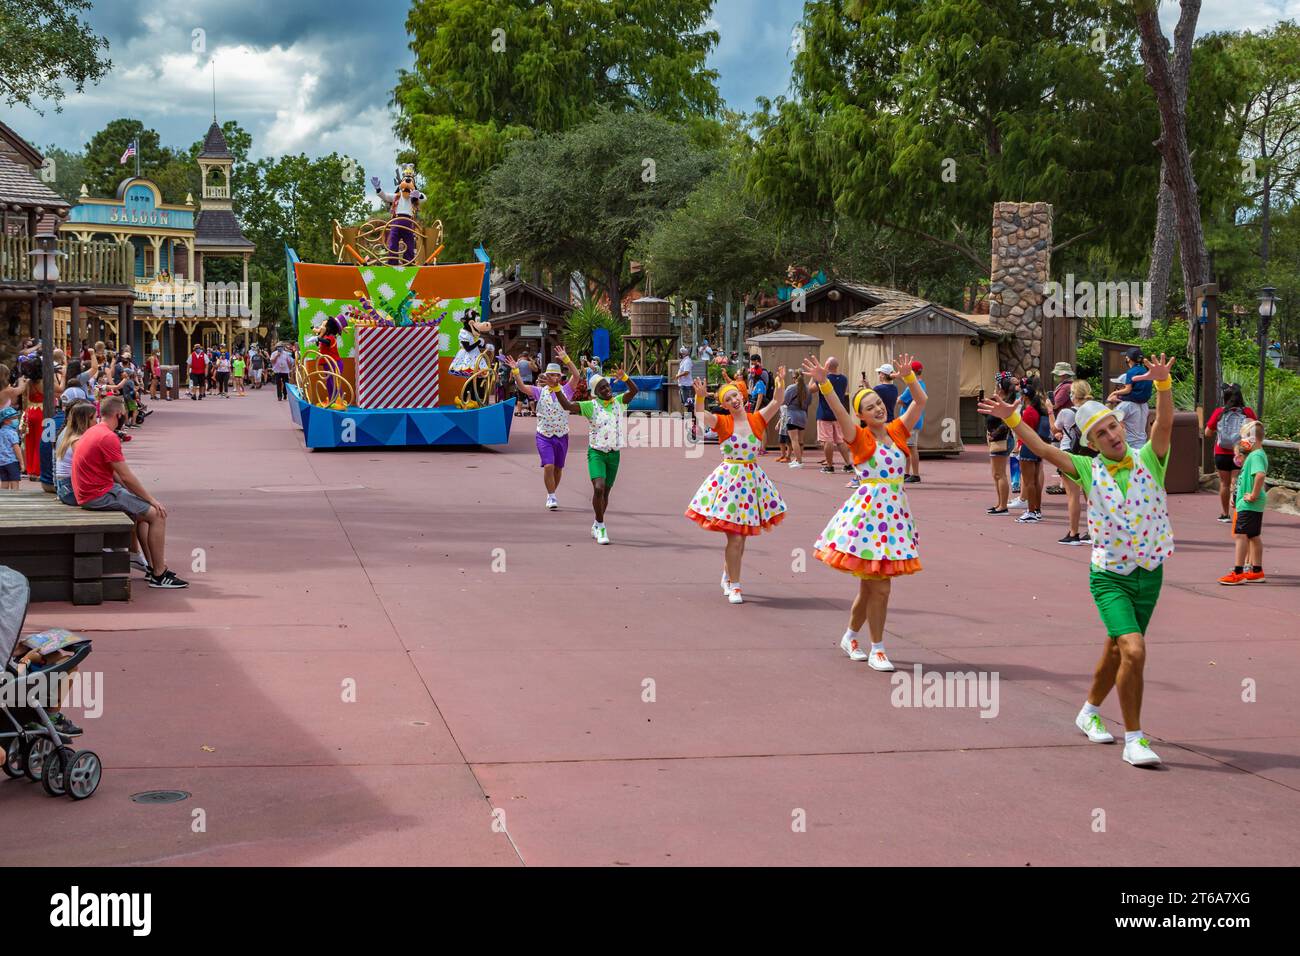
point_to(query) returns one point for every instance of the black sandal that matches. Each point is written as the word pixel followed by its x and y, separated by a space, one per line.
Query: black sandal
pixel 996 511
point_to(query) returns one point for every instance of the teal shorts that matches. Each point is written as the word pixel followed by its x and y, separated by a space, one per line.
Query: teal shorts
pixel 1126 601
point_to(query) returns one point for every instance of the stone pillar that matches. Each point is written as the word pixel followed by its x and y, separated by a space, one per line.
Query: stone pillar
pixel 1022 242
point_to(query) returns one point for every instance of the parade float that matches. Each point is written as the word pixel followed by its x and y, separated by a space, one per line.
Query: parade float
pixel 390 341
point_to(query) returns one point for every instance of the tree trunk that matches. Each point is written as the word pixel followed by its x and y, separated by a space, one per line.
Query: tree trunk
pixel 615 296
pixel 1162 259
pixel 1172 145
pixel 1165 240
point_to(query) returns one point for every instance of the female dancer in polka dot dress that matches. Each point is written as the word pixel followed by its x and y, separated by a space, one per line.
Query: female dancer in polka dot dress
pixel 738 499
pixel 872 536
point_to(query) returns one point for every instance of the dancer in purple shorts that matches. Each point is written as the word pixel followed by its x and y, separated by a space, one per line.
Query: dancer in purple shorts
pixel 552 419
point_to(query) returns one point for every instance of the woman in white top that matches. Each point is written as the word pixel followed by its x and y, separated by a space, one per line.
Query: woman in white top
pixel 81 416
pixel 1067 431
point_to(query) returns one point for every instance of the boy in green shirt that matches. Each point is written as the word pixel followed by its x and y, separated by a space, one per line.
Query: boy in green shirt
pixel 1128 522
pixel 1248 521
pixel 605 440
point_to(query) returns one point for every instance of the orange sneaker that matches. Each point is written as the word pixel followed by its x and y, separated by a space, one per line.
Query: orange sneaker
pixel 1232 577
pixel 1254 577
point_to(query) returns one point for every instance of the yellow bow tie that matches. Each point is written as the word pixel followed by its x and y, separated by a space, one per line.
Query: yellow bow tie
pixel 1126 464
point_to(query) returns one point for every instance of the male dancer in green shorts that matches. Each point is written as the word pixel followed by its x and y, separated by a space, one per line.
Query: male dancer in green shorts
pixel 1128 521
pixel 607 436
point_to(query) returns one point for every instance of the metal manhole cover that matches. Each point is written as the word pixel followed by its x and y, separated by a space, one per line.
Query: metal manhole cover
pixel 160 796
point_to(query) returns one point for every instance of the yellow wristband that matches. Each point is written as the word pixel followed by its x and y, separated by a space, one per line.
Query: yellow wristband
pixel 910 378
pixel 1013 420
pixel 825 387
pixel 623 377
pixel 1164 384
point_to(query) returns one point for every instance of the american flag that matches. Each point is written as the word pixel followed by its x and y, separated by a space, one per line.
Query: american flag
pixel 130 151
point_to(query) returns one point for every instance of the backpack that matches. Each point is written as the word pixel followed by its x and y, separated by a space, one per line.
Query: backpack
pixel 1228 432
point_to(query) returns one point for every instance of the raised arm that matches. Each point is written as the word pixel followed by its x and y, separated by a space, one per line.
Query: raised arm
pixel 816 373
pixel 702 414
pixel 574 374
pixel 772 408
pixel 917 407
pixel 1162 429
pixel 1010 415
pixel 623 377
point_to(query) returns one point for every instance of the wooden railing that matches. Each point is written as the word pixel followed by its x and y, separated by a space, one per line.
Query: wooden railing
pixel 83 263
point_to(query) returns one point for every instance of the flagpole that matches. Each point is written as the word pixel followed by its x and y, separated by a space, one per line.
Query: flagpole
pixel 137 157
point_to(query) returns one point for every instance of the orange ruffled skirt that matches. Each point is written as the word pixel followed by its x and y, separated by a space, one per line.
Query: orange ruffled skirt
pixel 730 527
pixel 872 570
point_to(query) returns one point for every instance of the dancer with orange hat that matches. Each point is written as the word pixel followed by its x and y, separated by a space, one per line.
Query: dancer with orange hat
pixel 738 499
pixel 872 536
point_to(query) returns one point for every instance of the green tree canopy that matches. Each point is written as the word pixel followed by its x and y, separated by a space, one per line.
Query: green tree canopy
pixel 582 199
pixel 103 153
pixel 488 72
pixel 921 116
pixel 45 45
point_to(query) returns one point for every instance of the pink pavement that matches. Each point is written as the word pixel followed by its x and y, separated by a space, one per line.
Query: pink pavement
pixel 500 661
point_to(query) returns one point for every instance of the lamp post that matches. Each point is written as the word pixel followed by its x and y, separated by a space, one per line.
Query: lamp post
pixel 45 273
pixel 1267 306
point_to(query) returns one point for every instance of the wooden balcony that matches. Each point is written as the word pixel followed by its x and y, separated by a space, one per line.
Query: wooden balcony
pixel 84 263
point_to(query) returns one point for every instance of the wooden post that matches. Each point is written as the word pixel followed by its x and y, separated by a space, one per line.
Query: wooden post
pixel 47 357
pixel 1208 363
pixel 74 327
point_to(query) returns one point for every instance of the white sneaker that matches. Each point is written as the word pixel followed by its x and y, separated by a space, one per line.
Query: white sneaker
pixel 595 530
pixel 726 583
pixel 602 536
pixel 850 646
pixel 138 562
pixel 852 483
pixel 878 661
pixel 1140 754
pixel 796 464
pixel 551 503
pixel 1017 502
pixel 734 595
pixel 1092 726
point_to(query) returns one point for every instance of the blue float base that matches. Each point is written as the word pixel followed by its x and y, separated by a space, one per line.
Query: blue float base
pixel 399 428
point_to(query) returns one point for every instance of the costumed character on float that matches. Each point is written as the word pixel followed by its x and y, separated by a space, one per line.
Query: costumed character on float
pixel 403 205
pixel 329 362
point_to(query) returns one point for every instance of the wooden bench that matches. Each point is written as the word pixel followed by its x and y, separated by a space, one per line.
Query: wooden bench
pixel 68 554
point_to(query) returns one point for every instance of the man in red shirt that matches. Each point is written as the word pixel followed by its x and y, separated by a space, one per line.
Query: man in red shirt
pixel 198 372
pixel 101 481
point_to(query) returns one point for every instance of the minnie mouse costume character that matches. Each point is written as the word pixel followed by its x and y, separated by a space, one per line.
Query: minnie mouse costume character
pixel 467 360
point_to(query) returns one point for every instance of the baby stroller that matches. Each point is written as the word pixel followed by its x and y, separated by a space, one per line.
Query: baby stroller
pixel 39 753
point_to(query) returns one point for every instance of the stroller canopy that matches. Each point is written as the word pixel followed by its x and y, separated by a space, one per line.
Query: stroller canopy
pixel 14 594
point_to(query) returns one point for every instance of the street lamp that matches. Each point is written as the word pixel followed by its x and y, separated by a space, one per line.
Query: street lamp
pixel 45 261
pixel 45 273
pixel 1267 306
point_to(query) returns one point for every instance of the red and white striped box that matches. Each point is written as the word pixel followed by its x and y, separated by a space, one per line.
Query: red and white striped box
pixel 397 367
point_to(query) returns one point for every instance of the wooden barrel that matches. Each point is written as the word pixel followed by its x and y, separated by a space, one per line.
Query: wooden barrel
pixel 650 317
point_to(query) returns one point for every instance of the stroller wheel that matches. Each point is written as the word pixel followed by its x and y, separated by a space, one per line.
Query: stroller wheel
pixel 15 759
pixel 82 774
pixel 37 753
pixel 56 771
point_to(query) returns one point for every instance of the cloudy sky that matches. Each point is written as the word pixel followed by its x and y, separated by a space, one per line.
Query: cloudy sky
pixel 314 76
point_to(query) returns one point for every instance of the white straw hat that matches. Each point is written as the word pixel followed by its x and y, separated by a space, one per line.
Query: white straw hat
pixel 1090 413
